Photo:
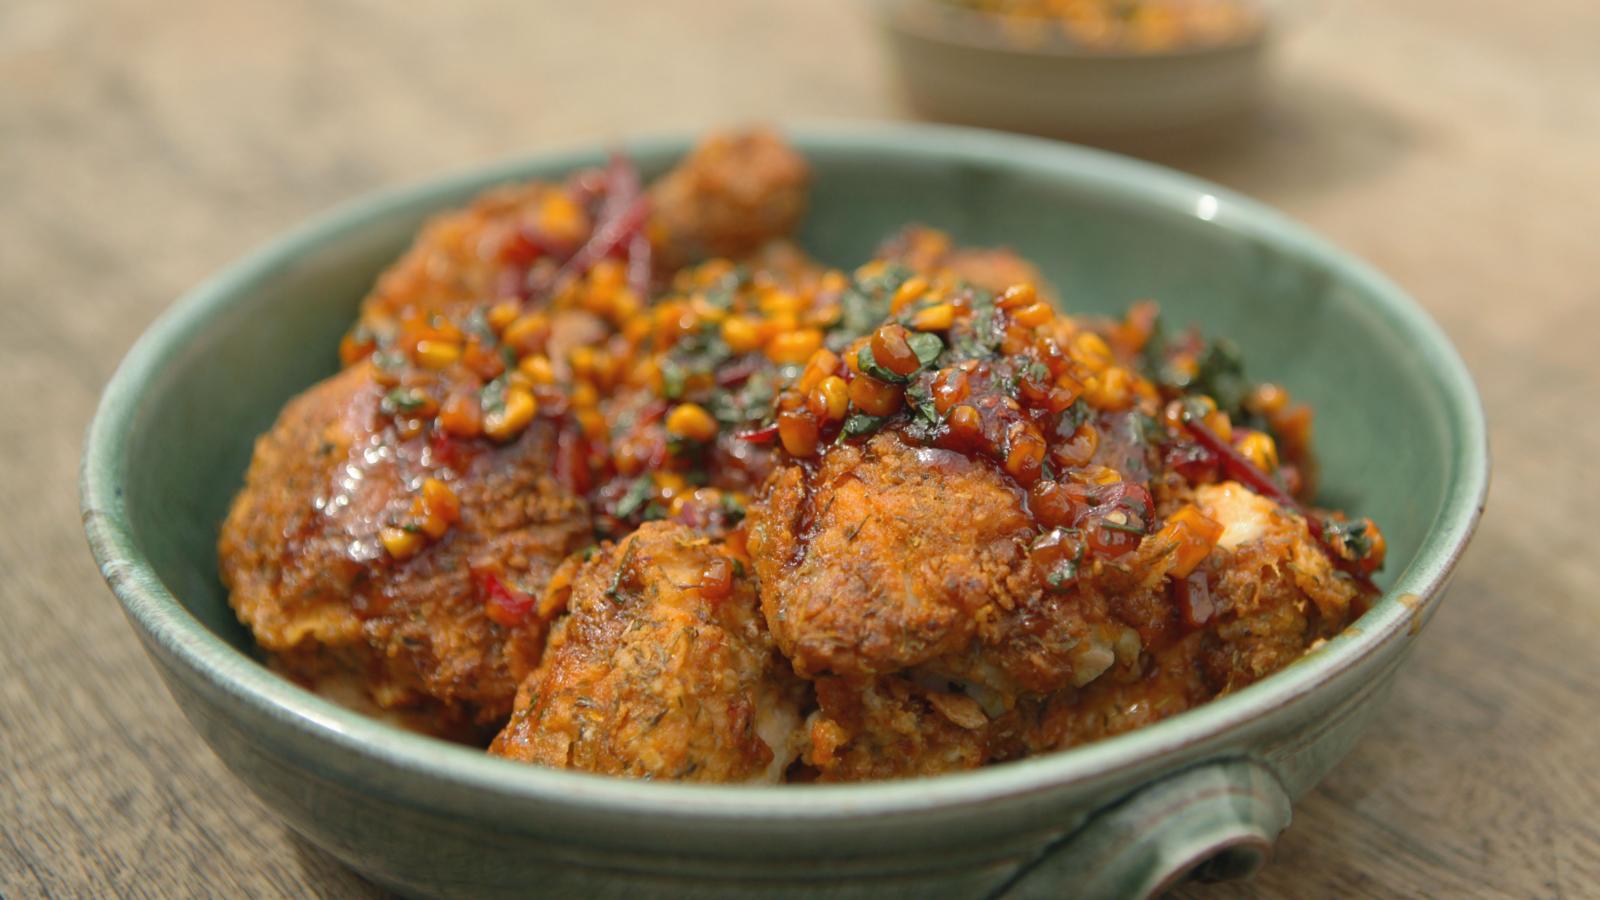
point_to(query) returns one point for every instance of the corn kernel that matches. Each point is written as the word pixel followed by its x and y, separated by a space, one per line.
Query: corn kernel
pixel 830 399
pixel 1221 424
pixel 691 422
pixel 798 432
pixel 1090 350
pixel 583 361
pixel 821 364
pixel 503 314
pixel 584 396
pixel 1033 315
pixel 1111 390
pixel 592 423
pixel 562 218
pixel 527 333
pixel 938 317
pixel 440 500
pixel 1025 454
pixel 741 333
pixel 706 311
pixel 825 316
pixel 461 416
pixel 794 347
pixel 669 484
pixel 1268 399
pixel 1017 296
pixel 625 306
pixel 400 543
pixel 436 354
pixel 909 292
pixel 874 397
pixel 1259 448
pixel 537 368
pixel 965 422
pixel 777 302
pixel 512 417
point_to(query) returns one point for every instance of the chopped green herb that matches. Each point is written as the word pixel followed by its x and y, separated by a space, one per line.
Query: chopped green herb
pixel 493 396
pixel 1353 535
pixel 478 324
pixel 869 366
pixel 389 360
pixel 1221 374
pixel 639 493
pixel 624 566
pixel 673 379
pixel 926 346
pixel 404 399
pixel 860 424
pixel 733 509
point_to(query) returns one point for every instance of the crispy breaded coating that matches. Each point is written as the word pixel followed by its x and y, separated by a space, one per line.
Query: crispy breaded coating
pixel 733 193
pixel 300 555
pixel 662 668
pixel 468 258
pixel 887 556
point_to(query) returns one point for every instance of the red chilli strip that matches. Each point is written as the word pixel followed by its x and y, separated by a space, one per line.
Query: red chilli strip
pixel 640 266
pixel 503 605
pixel 621 218
pixel 759 435
pixel 739 372
pixel 1239 465
pixel 607 238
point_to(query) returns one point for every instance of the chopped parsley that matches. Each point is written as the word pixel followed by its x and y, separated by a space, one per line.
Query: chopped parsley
pixel 860 424
pixel 641 492
pixel 404 399
pixel 869 366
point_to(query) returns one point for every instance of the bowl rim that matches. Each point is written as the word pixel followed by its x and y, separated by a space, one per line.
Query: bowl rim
pixel 162 619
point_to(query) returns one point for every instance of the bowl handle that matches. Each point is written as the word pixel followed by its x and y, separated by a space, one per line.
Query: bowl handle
pixel 1213 822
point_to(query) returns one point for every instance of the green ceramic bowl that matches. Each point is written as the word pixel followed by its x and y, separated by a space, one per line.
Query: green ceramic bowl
pixel 1399 428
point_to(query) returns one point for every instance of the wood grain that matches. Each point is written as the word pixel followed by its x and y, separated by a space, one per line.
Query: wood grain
pixel 1455 143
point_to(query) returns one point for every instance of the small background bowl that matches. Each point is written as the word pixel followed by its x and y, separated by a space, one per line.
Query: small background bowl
pixel 1400 434
pixel 958 65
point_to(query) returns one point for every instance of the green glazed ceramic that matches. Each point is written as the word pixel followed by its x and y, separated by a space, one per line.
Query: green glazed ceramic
pixel 1399 430
pixel 955 65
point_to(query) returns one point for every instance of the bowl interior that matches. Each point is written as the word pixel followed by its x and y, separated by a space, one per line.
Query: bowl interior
pixel 1396 425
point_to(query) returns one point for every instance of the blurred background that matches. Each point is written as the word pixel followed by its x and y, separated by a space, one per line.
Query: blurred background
pixel 1453 143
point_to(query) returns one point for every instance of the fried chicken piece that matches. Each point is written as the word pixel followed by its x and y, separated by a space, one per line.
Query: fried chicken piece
pixel 896 578
pixel 864 567
pixel 301 556
pixel 467 258
pixel 731 194
pixel 1271 593
pixel 662 668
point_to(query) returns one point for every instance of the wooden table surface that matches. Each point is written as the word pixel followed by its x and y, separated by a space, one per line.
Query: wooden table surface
pixel 1455 143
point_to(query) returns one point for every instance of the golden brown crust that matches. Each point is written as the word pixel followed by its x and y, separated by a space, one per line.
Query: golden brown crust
pixel 886 556
pixel 466 258
pixel 731 194
pixel 648 676
pixel 300 557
